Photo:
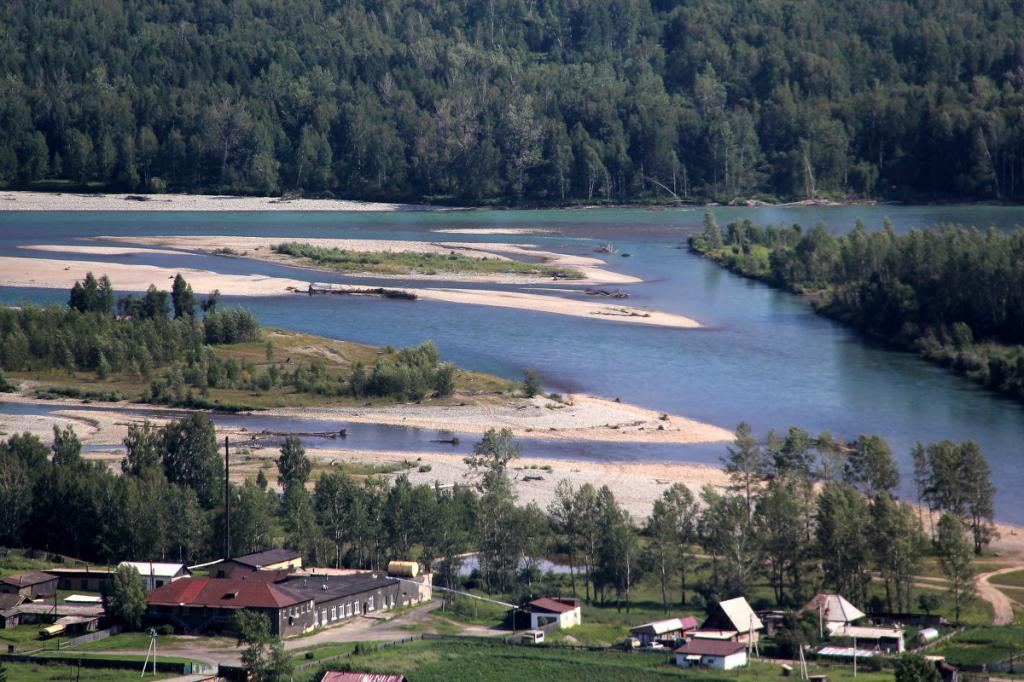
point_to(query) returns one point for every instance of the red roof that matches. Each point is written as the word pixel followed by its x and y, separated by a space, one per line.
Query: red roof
pixel 555 604
pixel 236 593
pixel 710 647
pixel 331 676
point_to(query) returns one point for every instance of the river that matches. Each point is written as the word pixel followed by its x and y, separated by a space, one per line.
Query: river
pixel 763 356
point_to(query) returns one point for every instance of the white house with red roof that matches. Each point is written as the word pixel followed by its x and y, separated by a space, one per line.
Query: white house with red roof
pixel 711 653
pixel 562 610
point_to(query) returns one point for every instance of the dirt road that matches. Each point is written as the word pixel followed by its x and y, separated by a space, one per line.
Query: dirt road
pixel 1002 606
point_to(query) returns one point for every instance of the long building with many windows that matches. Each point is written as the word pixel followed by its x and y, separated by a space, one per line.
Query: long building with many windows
pixel 293 603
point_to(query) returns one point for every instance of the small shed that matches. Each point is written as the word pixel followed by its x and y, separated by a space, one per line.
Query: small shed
pixel 664 630
pixel 157 574
pixel 562 610
pixel 32 584
pixel 709 653
pixel 267 560
pixel 927 635
pixel 882 639
pixel 9 604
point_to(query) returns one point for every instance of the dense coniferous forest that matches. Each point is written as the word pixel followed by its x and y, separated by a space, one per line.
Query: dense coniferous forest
pixel 517 101
pixel 953 294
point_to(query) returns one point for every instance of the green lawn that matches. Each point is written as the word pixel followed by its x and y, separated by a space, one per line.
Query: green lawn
pixel 1015 579
pixel 985 644
pixel 317 653
pixel 75 654
pixel 430 660
pixel 27 672
pixel 140 640
pixel 26 638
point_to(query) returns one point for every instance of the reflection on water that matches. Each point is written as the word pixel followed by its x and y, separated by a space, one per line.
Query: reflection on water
pixel 764 356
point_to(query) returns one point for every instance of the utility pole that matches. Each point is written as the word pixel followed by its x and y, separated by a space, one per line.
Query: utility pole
pixel 227 502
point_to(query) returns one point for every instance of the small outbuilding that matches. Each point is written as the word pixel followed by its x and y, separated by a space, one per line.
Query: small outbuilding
pixel 31 584
pixel 267 560
pixel 881 639
pixel 709 653
pixel 157 574
pixel 562 610
pixel 670 629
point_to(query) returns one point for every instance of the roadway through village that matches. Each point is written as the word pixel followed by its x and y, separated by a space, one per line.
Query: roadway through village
pixel 363 629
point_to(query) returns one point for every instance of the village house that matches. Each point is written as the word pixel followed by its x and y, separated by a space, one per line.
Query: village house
pixel 565 611
pixel 267 560
pixel 731 620
pixel 157 574
pixel 664 631
pixel 710 653
pixel 832 610
pixel 31 584
pixel 293 603
pixel 888 639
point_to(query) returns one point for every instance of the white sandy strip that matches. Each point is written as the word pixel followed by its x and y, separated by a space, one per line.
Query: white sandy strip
pixel 635 485
pixel 586 418
pixel 560 306
pixel 592 269
pixel 493 230
pixel 96 250
pixel 62 274
pixel 46 201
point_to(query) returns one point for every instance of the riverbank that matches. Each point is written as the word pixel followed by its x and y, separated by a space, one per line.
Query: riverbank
pixel 49 273
pixel 580 418
pixel 47 201
pixel 593 270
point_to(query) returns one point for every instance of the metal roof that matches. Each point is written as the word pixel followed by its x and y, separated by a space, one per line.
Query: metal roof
pixel 333 676
pixel 231 593
pixel 554 605
pixel 155 569
pixel 834 608
pixel 660 627
pixel 28 578
pixel 266 557
pixel 845 652
pixel 740 614
pixel 710 647
pixel 321 588
pixel 865 632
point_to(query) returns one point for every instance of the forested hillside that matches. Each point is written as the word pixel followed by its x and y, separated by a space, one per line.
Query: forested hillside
pixel 519 101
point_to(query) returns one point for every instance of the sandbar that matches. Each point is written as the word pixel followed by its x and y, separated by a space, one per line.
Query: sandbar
pixel 493 230
pixel 62 274
pixel 51 201
pixel 592 269
pixel 579 417
pixel 96 250
pixel 47 273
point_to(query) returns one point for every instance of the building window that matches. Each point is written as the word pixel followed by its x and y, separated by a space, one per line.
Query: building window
pixel 334 613
pixel 369 604
pixel 357 608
